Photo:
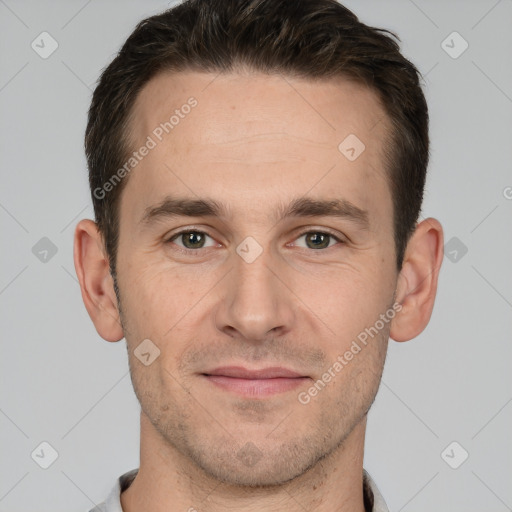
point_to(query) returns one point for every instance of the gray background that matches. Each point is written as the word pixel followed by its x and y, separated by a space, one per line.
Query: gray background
pixel 61 383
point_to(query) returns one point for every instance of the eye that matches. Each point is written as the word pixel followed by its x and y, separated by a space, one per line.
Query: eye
pixel 319 239
pixel 191 239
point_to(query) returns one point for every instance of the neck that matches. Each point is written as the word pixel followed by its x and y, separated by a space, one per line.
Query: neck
pixel 168 481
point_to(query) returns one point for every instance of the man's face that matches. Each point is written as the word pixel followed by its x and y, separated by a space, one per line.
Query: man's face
pixel 208 299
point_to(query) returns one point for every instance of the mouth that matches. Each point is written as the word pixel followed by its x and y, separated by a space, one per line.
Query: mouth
pixel 255 383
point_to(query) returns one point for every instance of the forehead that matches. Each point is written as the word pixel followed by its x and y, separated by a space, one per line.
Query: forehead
pixel 253 104
pixel 243 137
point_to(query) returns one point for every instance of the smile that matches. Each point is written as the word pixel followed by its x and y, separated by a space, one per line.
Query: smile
pixel 255 383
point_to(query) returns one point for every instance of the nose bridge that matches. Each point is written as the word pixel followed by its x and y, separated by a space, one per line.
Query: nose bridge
pixel 255 301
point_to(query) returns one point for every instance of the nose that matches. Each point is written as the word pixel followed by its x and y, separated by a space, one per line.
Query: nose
pixel 256 302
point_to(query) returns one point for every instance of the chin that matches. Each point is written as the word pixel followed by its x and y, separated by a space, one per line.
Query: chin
pixel 248 466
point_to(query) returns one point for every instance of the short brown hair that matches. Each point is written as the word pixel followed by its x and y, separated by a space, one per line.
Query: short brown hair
pixel 304 38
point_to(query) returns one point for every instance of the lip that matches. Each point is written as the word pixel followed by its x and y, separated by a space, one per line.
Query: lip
pixel 255 383
pixel 239 372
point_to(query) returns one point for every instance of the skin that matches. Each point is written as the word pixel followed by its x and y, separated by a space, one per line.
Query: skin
pixel 254 143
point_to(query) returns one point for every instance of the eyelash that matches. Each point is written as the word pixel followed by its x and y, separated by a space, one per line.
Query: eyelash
pixel 299 235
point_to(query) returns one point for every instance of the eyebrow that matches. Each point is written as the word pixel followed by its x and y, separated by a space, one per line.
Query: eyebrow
pixel 299 207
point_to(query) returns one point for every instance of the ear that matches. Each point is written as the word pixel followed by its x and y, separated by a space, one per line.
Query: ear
pixel 96 283
pixel 417 281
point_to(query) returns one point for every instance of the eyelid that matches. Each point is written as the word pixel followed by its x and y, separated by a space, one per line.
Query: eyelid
pixel 188 229
pixel 342 239
pixel 326 231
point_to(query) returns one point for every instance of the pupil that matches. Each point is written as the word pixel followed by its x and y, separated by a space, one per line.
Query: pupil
pixel 319 237
pixel 193 239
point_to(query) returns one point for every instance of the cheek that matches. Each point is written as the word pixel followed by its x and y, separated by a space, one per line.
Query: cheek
pixel 162 303
pixel 343 301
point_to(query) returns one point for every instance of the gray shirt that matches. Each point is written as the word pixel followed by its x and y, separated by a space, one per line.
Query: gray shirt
pixel 373 500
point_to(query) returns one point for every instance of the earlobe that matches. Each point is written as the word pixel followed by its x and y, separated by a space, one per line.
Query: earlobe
pixel 417 281
pixel 96 283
